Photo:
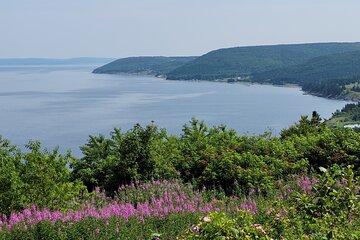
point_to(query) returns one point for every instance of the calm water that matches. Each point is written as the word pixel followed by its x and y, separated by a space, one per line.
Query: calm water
pixel 63 105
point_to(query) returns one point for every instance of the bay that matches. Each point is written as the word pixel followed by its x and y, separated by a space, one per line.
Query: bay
pixel 62 105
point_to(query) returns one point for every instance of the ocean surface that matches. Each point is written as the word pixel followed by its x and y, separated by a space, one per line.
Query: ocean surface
pixel 63 105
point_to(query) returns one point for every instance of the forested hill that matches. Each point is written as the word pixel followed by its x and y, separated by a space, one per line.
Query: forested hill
pixel 325 69
pixel 335 75
pixel 245 61
pixel 341 65
pixel 145 65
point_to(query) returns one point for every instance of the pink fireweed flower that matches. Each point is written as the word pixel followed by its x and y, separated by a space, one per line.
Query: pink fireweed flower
pixel 158 202
pixel 77 217
pixel 314 180
pixel 236 209
pixel 56 216
pixel 27 212
pixel 4 218
pixel 305 184
pixel 251 192
pixel 249 205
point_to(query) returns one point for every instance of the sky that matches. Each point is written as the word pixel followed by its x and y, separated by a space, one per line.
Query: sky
pixel 122 28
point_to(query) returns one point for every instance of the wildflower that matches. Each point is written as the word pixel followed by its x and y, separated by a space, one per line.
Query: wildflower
pixel 206 219
pixel 343 181
pixel 196 228
pixel 236 208
pixel 259 227
pixel 314 181
pixel 251 192
pixel 283 212
pixel 268 212
pixel 97 230
pixel 27 212
pixel 4 218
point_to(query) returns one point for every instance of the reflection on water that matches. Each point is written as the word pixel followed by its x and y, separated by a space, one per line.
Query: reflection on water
pixel 63 105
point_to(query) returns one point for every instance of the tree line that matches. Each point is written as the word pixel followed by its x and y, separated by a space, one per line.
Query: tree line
pixel 212 157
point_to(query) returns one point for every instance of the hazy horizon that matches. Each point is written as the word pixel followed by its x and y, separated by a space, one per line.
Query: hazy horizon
pixel 124 28
pixel 111 57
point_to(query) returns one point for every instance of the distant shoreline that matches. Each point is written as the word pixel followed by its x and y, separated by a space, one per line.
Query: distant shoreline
pixel 289 85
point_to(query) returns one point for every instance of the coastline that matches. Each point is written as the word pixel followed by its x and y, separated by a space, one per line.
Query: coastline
pixel 288 85
pixel 250 82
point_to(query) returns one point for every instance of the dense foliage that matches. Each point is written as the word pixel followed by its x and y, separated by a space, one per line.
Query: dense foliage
pixel 215 158
pixel 37 177
pixel 206 183
pixel 147 65
pixel 318 209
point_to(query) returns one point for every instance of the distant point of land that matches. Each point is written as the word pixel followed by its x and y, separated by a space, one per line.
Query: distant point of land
pixel 329 70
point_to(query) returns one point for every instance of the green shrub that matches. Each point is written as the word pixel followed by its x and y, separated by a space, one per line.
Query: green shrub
pixel 219 226
pixel 37 177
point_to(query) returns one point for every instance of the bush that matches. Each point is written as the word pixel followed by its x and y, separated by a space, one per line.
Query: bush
pixel 36 177
pixel 219 226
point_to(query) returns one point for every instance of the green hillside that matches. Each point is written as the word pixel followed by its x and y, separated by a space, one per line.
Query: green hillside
pixel 335 75
pixel 244 61
pixel 146 65
pixel 348 116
